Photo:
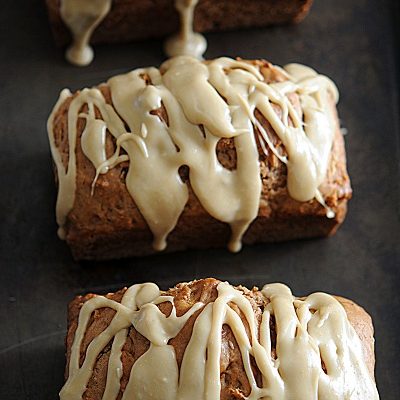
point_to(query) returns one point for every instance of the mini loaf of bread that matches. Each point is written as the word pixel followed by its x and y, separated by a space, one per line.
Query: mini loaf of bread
pixel 209 340
pixel 198 155
pixel 127 20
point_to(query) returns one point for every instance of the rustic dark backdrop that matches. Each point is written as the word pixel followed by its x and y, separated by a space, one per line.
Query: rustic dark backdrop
pixel 354 42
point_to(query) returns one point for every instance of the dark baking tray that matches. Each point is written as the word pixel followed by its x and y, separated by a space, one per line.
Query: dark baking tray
pixel 354 42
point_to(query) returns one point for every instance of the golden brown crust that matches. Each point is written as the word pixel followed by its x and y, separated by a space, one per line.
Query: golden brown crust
pixel 362 323
pixel 133 20
pixel 109 225
pixel 234 382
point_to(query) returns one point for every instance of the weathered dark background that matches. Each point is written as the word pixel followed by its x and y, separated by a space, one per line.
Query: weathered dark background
pixel 354 42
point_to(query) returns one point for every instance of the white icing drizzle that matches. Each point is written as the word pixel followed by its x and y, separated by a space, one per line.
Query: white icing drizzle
pixel 222 96
pixel 93 140
pixel 308 330
pixel 82 17
pixel 66 191
pixel 186 42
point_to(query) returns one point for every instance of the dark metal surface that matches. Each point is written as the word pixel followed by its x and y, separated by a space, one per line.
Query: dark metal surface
pixel 351 41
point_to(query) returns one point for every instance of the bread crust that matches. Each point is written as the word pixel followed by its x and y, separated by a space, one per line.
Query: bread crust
pixel 234 383
pixel 131 20
pixel 108 224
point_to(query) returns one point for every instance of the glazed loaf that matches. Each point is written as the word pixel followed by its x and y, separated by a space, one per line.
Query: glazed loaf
pixel 218 341
pixel 133 20
pixel 266 202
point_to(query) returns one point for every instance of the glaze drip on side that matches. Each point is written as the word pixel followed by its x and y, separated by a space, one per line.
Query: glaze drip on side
pixel 83 16
pixel 221 96
pixel 308 330
pixel 186 42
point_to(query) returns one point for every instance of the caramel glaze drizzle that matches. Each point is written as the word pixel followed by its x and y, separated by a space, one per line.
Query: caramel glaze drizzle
pixel 308 330
pixel 83 16
pixel 221 96
pixel 186 42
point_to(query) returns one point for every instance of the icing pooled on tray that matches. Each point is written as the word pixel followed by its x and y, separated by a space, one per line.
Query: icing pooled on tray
pixel 186 42
pixel 318 355
pixel 203 102
pixel 83 16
